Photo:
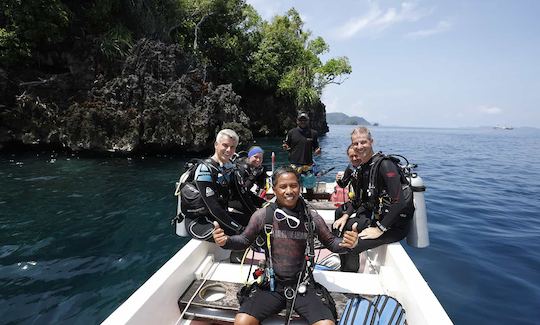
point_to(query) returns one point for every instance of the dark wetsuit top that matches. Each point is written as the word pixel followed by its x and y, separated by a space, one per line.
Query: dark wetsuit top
pixel 242 198
pixel 213 181
pixel 251 175
pixel 351 176
pixel 302 143
pixel 388 180
pixel 288 244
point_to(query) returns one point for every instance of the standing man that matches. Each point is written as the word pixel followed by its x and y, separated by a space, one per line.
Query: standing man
pixel 290 228
pixel 386 209
pixel 302 143
pixel 205 199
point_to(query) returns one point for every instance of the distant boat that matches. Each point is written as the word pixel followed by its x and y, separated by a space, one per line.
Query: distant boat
pixel 499 127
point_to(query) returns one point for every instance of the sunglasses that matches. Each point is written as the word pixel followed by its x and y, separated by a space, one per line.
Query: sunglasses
pixel 281 215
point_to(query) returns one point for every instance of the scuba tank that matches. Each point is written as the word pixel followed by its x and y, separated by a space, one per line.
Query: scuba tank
pixel 180 225
pixel 418 234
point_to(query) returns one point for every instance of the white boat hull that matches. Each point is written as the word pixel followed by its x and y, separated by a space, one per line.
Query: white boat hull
pixel 390 271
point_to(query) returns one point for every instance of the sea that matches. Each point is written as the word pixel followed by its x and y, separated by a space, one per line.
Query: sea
pixel 78 235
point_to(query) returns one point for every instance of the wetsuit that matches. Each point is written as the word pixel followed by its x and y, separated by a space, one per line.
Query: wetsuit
pixel 288 252
pixel 396 212
pixel 213 182
pixel 302 143
pixel 351 177
pixel 252 175
pixel 245 177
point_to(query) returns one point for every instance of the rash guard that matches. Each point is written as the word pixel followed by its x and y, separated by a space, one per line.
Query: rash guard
pixel 288 243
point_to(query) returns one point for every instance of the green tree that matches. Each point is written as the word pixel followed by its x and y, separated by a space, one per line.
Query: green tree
pixel 29 28
pixel 222 34
pixel 288 62
pixel 28 25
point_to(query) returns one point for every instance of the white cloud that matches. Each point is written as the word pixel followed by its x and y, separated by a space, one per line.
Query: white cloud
pixel 491 110
pixel 441 27
pixel 267 9
pixel 376 20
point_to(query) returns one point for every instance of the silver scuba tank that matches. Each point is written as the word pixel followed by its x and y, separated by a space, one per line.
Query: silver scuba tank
pixel 418 234
pixel 180 225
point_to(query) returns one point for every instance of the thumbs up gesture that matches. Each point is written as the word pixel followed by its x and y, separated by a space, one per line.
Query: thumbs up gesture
pixel 219 235
pixel 350 238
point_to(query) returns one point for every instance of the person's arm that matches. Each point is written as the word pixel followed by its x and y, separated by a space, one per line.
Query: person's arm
pixel 260 180
pixel 346 178
pixel 248 236
pixel 209 193
pixel 392 184
pixel 286 143
pixel 316 147
pixel 333 243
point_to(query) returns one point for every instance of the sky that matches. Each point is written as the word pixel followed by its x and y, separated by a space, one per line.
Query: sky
pixel 447 63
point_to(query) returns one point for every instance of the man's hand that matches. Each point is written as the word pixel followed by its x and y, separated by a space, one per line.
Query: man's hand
pixel 340 223
pixel 370 233
pixel 339 175
pixel 350 238
pixel 219 235
pixel 317 151
pixel 286 146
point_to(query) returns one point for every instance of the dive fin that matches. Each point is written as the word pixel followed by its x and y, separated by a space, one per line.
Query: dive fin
pixel 359 310
pixel 390 310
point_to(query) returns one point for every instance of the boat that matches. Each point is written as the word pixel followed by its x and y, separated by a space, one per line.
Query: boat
pixel 499 127
pixel 198 285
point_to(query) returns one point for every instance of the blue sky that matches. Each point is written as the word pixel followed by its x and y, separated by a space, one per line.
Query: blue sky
pixel 430 63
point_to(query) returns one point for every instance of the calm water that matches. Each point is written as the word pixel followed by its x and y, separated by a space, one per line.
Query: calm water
pixel 78 236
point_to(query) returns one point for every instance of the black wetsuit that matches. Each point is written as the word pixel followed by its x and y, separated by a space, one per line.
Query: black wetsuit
pixel 302 143
pixel 214 181
pixel 252 175
pixel 351 177
pixel 245 177
pixel 395 215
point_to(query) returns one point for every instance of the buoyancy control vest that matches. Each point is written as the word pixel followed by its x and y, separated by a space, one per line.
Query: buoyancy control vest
pixel 192 203
pixel 376 193
pixel 196 213
pixel 378 199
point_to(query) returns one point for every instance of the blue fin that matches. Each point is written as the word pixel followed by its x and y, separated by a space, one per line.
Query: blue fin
pixel 390 310
pixel 359 311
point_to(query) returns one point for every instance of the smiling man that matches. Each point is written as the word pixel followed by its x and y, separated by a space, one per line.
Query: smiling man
pixel 292 227
pixel 208 195
pixel 384 211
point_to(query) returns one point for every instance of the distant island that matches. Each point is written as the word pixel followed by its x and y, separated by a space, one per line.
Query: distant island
pixel 344 119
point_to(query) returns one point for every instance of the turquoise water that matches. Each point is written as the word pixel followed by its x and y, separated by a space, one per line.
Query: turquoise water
pixel 79 235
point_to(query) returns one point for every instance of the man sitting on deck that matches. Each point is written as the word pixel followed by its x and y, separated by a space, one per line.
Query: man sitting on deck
pixel 291 224
pixel 206 199
pixel 385 211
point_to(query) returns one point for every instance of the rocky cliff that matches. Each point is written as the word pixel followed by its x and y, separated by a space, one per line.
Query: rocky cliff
pixel 159 100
